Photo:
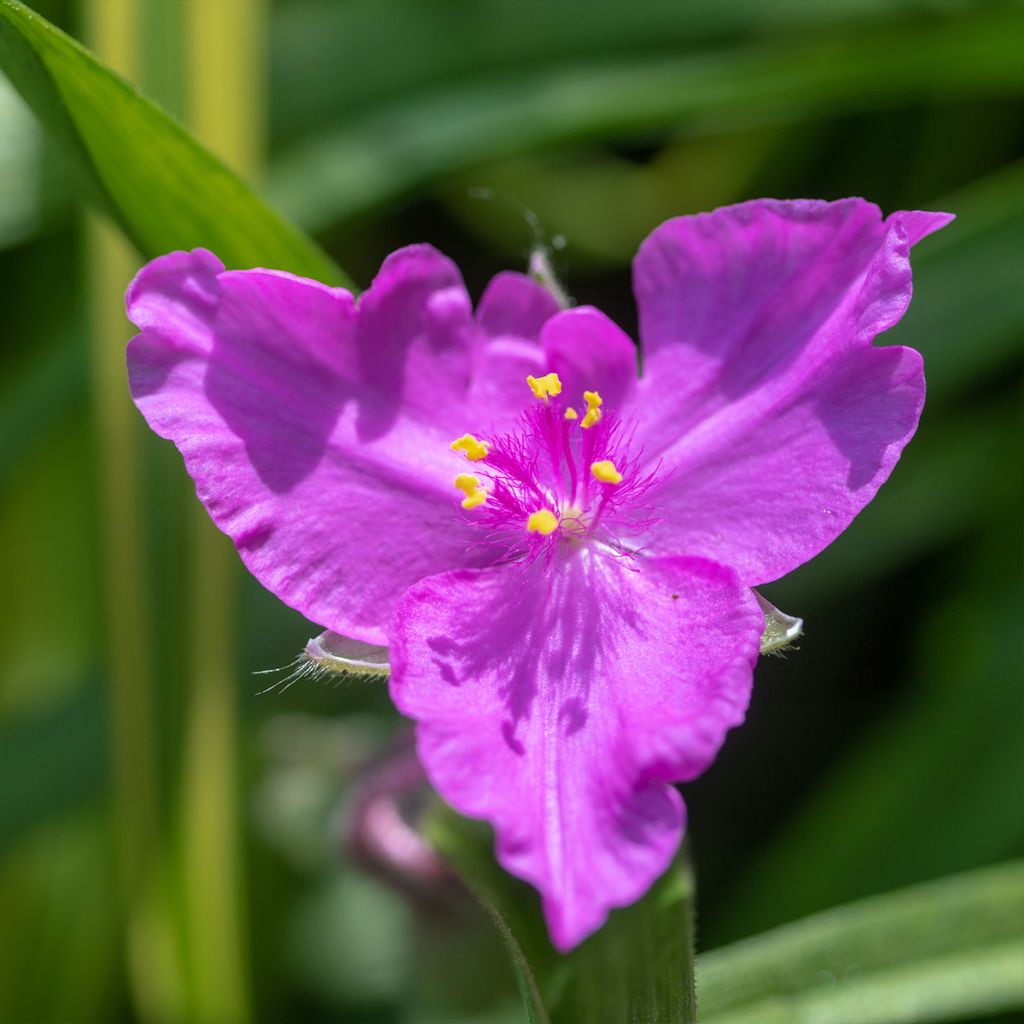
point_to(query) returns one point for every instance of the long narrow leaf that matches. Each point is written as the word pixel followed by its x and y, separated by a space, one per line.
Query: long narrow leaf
pixel 434 42
pixel 57 756
pixel 637 968
pixel 421 137
pixel 942 951
pixel 163 188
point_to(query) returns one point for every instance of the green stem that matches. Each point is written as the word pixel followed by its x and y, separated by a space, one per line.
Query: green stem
pixel 133 735
pixel 225 108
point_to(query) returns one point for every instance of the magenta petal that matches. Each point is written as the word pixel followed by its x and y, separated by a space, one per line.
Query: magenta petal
pixel 775 418
pixel 510 316
pixel 310 426
pixel 514 304
pixel 415 340
pixel 589 352
pixel 499 391
pixel 558 703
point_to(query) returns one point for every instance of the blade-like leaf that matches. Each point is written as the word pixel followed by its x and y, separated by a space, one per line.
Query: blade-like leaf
pixel 399 144
pixel 58 756
pixel 464 845
pixel 638 967
pixel 433 42
pixel 948 950
pixel 936 783
pixel 35 399
pixel 164 189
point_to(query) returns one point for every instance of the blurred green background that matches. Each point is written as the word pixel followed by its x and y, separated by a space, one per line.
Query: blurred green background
pixel 171 840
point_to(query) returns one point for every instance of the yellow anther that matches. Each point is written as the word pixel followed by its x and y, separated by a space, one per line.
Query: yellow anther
pixel 470 487
pixel 571 414
pixel 593 400
pixel 606 472
pixel 543 521
pixel 541 387
pixel 475 450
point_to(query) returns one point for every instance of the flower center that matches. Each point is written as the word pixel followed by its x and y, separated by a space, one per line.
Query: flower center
pixel 562 479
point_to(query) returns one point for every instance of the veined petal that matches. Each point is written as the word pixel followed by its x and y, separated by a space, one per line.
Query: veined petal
pixel 415 341
pixel 510 316
pixel 514 305
pixel 316 431
pixel 558 703
pixel 776 419
pixel 590 352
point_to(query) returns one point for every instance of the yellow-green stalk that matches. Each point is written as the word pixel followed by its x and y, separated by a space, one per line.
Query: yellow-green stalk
pixel 153 974
pixel 224 96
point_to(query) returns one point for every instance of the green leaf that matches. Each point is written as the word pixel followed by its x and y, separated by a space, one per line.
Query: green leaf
pixel 58 756
pixel 402 142
pixel 638 967
pixel 36 397
pixel 433 42
pixel 936 782
pixel 164 189
pixel 954 463
pixel 948 950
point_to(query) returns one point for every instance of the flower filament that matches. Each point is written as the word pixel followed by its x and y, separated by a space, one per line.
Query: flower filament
pixel 559 477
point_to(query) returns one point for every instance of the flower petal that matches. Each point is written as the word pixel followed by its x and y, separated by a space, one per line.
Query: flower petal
pixel 558 700
pixel 499 391
pixel 589 352
pixel 510 316
pixel 514 304
pixel 415 341
pixel 762 395
pixel 315 431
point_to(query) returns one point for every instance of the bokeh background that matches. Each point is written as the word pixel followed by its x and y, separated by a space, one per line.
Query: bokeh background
pixel 171 840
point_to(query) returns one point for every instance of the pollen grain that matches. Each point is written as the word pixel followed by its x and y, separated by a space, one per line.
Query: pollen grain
pixel 606 472
pixel 594 402
pixel 470 486
pixel 541 387
pixel 473 449
pixel 543 521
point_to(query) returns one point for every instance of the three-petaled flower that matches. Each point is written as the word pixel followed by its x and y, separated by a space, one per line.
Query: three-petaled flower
pixel 571 624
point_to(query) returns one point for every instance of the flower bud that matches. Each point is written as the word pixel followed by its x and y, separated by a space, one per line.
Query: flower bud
pixel 780 630
pixel 337 655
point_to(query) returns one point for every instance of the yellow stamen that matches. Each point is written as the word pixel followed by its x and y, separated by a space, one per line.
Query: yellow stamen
pixel 542 521
pixel 571 414
pixel 470 487
pixel 475 450
pixel 606 472
pixel 593 400
pixel 541 387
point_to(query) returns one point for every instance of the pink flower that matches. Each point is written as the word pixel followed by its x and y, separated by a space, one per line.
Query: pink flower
pixel 571 624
